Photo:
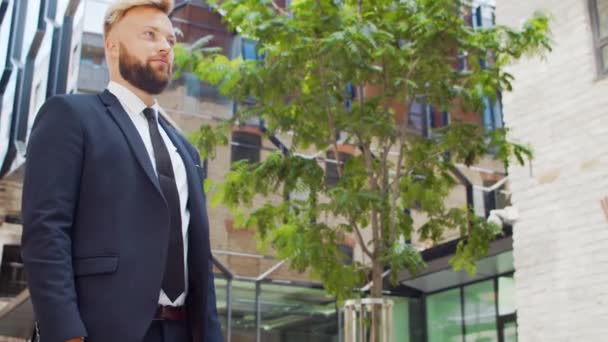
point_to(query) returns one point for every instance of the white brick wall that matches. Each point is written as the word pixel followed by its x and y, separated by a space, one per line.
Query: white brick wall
pixel 561 240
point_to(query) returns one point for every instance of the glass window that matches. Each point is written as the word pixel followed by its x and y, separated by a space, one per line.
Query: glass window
pixel 506 295
pixel 5 30
pixel 401 319
pixel 510 332
pixel 32 11
pixel 291 313
pixel 416 320
pixel 416 117
pixel 444 317
pixel 12 275
pixel 488 116
pixel 246 146
pixel 480 312
pixel 8 100
pixel 193 85
pixel 599 16
pixel 250 49
pixel 331 167
pixel 484 16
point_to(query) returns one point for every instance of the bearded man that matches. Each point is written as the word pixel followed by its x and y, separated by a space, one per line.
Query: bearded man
pixel 115 229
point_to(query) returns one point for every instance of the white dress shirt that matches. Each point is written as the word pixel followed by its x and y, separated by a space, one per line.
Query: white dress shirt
pixel 134 106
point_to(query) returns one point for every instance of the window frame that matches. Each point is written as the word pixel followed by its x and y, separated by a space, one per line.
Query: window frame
pixel 598 42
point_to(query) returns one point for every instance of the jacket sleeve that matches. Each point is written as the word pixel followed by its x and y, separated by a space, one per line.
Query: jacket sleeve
pixel 213 331
pixel 50 196
pixel 213 327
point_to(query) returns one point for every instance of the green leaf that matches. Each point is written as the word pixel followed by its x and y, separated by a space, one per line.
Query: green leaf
pixel 352 69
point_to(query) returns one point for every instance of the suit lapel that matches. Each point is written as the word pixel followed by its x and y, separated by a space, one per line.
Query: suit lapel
pixel 130 132
pixel 194 185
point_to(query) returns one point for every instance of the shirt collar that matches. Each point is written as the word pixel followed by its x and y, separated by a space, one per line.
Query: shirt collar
pixel 132 103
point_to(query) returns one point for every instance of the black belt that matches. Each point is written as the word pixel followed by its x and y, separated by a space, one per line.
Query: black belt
pixel 170 313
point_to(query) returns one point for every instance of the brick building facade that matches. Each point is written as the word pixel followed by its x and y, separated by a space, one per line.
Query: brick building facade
pixel 559 107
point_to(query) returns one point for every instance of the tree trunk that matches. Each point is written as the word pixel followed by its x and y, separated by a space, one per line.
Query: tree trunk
pixel 376 292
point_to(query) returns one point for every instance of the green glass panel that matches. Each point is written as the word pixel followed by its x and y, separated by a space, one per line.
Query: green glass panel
pixel 401 319
pixel 510 332
pixel 506 295
pixel 444 317
pixel 480 312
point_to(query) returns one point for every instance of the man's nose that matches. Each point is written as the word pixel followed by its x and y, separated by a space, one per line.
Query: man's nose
pixel 165 46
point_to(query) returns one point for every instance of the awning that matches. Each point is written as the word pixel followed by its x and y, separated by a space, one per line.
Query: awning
pixel 439 274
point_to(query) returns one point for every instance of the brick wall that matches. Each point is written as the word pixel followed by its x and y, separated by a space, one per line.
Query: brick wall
pixel 561 240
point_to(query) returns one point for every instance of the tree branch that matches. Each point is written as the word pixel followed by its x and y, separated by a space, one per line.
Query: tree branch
pixel 402 135
pixel 432 156
pixel 373 182
pixel 361 240
pixel 279 9
pixel 331 123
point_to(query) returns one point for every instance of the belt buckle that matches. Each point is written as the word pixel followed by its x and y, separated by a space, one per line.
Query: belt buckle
pixel 161 313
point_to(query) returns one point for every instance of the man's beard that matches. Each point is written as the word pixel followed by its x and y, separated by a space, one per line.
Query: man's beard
pixel 140 75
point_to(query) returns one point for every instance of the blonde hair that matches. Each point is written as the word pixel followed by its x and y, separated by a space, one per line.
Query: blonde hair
pixel 119 8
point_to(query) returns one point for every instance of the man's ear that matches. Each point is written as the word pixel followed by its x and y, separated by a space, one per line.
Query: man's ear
pixel 112 47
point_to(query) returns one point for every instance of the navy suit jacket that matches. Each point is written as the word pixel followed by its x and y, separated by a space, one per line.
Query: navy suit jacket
pixel 96 226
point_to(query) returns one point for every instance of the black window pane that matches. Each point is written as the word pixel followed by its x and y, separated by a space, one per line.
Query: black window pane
pixel 331 173
pixel 246 146
pixel 348 253
pixel 331 168
pixel 416 117
pixel 12 274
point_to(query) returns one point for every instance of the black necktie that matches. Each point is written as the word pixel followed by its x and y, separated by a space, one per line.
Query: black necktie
pixel 173 280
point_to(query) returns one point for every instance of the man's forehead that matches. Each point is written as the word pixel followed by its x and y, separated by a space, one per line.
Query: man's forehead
pixel 149 17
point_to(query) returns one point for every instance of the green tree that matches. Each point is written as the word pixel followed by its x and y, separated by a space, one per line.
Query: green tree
pixel 313 51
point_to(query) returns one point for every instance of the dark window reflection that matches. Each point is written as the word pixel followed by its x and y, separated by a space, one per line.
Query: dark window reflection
pixel 12 274
pixel 297 314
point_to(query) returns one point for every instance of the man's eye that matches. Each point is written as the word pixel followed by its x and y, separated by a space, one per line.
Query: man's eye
pixel 149 34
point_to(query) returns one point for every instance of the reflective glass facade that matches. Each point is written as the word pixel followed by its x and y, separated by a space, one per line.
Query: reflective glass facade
pixel 480 312
pixel 444 317
pixel 34 65
pixel 275 313
pixel 483 311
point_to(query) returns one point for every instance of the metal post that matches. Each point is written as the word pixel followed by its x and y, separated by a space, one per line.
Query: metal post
pixel 357 312
pixel 229 310
pixel 340 326
pixel 258 312
pixel 362 317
